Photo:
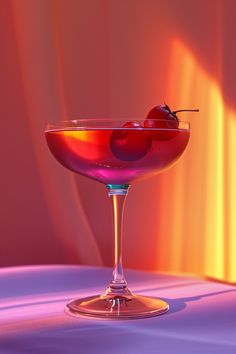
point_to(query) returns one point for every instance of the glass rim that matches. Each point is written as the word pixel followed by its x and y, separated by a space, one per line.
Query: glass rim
pixel 100 123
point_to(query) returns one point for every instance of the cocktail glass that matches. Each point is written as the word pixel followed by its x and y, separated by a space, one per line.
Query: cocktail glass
pixel 117 153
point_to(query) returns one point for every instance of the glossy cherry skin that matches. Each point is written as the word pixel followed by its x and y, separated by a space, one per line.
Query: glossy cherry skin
pixel 130 144
pixel 161 117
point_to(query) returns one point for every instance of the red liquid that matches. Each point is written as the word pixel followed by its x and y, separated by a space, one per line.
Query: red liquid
pixel 94 152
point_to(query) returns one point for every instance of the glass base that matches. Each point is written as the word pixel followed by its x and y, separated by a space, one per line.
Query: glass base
pixel 137 306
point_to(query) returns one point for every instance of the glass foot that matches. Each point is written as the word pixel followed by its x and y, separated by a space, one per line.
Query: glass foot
pixel 117 307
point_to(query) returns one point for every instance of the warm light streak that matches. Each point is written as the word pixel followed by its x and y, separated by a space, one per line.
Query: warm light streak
pixel 230 212
pixel 214 176
pixel 203 231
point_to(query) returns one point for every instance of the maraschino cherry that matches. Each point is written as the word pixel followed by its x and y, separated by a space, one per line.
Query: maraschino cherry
pixel 162 117
pixel 130 144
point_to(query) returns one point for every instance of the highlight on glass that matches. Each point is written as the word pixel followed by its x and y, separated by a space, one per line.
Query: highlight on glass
pixel 118 153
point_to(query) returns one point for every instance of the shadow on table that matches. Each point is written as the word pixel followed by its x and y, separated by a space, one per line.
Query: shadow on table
pixel 179 304
pixel 176 305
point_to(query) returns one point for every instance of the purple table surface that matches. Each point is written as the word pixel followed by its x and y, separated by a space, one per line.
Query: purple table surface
pixel 202 316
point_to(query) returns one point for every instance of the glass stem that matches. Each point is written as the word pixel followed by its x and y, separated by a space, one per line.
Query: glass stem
pixel 118 285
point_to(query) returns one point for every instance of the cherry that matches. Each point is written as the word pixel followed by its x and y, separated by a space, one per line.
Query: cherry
pixel 162 117
pixel 130 144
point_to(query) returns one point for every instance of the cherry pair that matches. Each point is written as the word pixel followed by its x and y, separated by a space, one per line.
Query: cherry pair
pixel 133 144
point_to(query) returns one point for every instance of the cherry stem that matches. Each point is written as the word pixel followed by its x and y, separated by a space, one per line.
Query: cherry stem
pixel 186 110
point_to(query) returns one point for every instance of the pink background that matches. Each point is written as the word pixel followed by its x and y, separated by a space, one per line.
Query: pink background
pixel 107 58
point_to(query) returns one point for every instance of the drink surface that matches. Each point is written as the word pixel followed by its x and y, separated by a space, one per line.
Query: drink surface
pixel 117 155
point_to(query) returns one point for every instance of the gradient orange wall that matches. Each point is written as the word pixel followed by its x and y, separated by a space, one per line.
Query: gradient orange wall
pixel 68 59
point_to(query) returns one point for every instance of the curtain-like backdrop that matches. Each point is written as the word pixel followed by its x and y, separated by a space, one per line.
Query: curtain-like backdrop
pixel 64 59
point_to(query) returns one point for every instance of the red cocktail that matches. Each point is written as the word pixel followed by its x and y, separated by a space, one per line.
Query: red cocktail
pixel 117 153
pixel 101 154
